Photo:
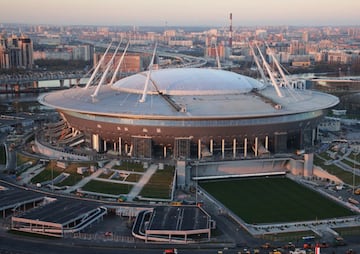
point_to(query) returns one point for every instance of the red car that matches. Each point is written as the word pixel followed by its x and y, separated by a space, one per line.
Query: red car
pixel 170 251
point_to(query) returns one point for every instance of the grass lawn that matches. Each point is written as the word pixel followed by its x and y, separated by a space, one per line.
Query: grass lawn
pixel 345 176
pixel 130 166
pixel 133 178
pixel 21 159
pixel 355 156
pixel 45 175
pixel 70 180
pixel 160 184
pixel 350 163
pixel 52 170
pixel 348 231
pixel 107 188
pixel 106 176
pixel 326 156
pixel 266 200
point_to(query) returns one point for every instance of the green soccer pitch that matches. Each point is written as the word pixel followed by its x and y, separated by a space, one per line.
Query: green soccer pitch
pixel 273 199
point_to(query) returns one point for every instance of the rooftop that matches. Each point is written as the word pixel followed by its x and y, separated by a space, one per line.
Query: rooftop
pixel 175 218
pixel 202 93
pixel 189 81
pixel 60 211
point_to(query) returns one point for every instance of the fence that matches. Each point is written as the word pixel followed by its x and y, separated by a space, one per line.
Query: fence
pixel 103 237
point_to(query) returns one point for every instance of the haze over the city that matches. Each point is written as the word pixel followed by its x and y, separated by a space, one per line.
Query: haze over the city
pixel 181 12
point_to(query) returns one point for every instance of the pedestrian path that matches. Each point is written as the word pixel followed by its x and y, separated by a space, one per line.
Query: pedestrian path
pixel 26 176
pixel 84 181
pixel 321 227
pixel 91 177
pixel 143 180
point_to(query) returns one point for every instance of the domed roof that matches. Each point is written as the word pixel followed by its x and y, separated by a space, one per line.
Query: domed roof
pixel 189 81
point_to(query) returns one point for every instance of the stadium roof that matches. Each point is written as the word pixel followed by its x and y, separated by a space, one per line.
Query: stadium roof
pixel 189 81
pixel 202 93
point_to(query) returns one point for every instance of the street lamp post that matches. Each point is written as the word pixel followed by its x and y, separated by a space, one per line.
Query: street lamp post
pixel 354 174
pixel 196 186
pixel 52 178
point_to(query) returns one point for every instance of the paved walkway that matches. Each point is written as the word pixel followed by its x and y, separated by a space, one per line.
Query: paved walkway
pixel 320 227
pixel 89 178
pixel 143 180
pixel 30 173
pixel 84 181
pixel 135 189
pixel 26 177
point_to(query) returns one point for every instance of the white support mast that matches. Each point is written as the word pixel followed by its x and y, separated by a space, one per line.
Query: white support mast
pixel 97 67
pixel 119 64
pixel 273 81
pixel 217 57
pixel 278 65
pixel 287 83
pixel 105 72
pixel 261 70
pixel 143 97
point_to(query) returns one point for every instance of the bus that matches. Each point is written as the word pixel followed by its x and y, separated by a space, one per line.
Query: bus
pixel 308 242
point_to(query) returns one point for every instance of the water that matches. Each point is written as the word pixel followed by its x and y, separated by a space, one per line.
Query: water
pixel 52 83
pixel 6 98
pixel 27 102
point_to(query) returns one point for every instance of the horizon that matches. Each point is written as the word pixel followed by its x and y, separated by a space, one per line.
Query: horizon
pixel 173 26
pixel 185 13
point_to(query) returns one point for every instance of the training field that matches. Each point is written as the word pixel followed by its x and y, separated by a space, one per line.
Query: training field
pixel 273 199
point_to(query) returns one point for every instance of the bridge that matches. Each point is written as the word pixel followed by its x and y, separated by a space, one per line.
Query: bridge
pixel 29 81
pixel 30 77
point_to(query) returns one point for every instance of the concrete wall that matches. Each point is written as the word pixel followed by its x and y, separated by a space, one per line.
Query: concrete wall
pixel 239 167
pixel 296 167
pixel 319 172
pixel 55 154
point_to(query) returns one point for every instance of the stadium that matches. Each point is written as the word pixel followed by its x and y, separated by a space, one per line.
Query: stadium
pixel 213 124
pixel 190 113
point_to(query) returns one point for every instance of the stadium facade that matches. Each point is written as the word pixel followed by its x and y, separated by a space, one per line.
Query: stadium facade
pixel 192 113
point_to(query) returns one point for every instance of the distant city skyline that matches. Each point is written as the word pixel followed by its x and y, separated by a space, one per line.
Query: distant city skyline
pixel 181 12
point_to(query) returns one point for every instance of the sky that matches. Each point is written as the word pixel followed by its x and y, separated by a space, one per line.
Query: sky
pixel 181 12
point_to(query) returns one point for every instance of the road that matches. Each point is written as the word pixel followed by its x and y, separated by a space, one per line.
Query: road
pixel 24 245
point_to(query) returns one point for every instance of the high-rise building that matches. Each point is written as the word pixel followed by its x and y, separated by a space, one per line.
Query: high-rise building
pixel 82 52
pixel 297 48
pixel 26 52
pixel 4 58
pixel 16 52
